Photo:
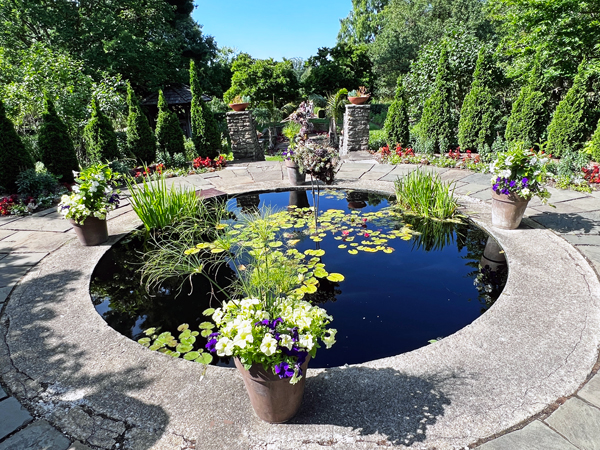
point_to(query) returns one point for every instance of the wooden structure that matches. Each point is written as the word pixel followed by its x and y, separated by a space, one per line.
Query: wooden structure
pixel 179 98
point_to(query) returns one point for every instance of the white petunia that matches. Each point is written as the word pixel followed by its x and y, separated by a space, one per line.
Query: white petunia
pixel 329 339
pixel 268 345
pixel 285 340
pixel 306 341
pixel 224 347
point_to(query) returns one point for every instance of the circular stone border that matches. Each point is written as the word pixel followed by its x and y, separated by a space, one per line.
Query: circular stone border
pixel 537 343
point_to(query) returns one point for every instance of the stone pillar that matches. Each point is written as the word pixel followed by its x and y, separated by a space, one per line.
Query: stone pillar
pixel 356 129
pixel 242 131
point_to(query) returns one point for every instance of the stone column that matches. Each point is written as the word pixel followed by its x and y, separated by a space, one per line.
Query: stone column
pixel 356 128
pixel 244 142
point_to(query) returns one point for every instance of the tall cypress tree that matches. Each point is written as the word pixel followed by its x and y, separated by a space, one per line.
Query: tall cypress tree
pixel 55 144
pixel 529 115
pixel 100 137
pixel 396 122
pixel 593 147
pixel 14 157
pixel 140 139
pixel 205 133
pixel 169 136
pixel 437 122
pixel 566 132
pixel 479 110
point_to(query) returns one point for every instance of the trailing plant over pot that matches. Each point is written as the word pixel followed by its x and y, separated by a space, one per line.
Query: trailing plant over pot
pixel 317 160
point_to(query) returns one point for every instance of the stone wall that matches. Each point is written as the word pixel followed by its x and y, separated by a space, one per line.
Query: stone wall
pixel 356 129
pixel 244 141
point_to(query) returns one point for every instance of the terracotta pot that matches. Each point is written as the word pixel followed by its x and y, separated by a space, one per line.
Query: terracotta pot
pixel 239 106
pixel 359 100
pixel 93 231
pixel 296 177
pixel 507 210
pixel 274 400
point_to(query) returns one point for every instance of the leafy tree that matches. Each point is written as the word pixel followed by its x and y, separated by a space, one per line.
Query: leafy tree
pixel 205 133
pixel 100 137
pixel 345 65
pixel 14 158
pixel 437 124
pixel 396 122
pixel 529 117
pixel 140 139
pixel 263 80
pixel 363 23
pixel 169 135
pixel 55 145
pixel 480 109
pixel 593 147
pixel 565 31
pixel 567 129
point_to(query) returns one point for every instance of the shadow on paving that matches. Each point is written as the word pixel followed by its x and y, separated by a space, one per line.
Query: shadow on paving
pixel 383 401
pixel 567 222
pixel 54 358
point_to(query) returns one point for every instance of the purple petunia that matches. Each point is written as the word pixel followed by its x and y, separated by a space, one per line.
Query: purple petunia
pixel 512 183
pixel 284 370
pixel 212 342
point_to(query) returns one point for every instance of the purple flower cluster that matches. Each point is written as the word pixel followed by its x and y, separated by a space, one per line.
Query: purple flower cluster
pixel 211 346
pixel 288 154
pixel 284 369
pixel 506 186
pixel 114 199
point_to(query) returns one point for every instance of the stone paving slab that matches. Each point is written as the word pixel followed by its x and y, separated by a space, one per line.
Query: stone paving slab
pixel 557 208
pixel 478 178
pixel 6 219
pixel 33 241
pixel 454 175
pixel 559 195
pixel 21 259
pixel 4 292
pixel 591 391
pixel 2 394
pixel 568 223
pixel 583 239
pixel 585 204
pixel 78 446
pixel 470 188
pixel 535 436
pixel 39 435
pixel 586 433
pixel 6 233
pixel 12 416
pixel 270 175
pixel 9 276
pixel 44 212
pixel 51 222
pixel 355 166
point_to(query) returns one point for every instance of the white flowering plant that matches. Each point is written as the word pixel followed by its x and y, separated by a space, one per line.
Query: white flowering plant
pixel 520 171
pixel 92 196
pixel 280 335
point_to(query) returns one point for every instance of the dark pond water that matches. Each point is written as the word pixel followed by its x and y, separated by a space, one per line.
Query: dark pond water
pixel 427 288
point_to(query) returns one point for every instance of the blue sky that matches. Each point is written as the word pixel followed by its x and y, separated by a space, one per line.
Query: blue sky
pixel 270 28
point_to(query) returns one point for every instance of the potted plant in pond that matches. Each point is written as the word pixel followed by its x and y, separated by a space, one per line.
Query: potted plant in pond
pixel 239 103
pixel 360 96
pixel 517 175
pixel 87 206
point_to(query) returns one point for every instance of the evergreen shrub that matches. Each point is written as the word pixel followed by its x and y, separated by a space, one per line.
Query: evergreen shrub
pixel 140 139
pixel 14 157
pixel 100 137
pixel 169 135
pixel 205 134
pixel 396 122
pixel 593 147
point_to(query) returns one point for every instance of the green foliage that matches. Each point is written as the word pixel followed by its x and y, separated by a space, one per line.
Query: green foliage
pixel 205 133
pixel 345 65
pixel 593 146
pixel 140 139
pixel 100 137
pixel 426 195
pixel 363 23
pixel 14 158
pixel 182 347
pixel 55 145
pixel 567 130
pixel 437 123
pixel 159 207
pixel 169 136
pixel 396 123
pixel 377 139
pixel 568 168
pixel 529 117
pixel 480 109
pixel 32 183
pixel 263 80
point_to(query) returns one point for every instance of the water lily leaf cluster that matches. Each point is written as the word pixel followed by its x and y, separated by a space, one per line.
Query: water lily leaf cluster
pixel 183 346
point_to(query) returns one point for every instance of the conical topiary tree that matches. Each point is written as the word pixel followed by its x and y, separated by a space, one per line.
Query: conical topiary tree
pixel 479 111
pixel 100 137
pixel 56 147
pixel 205 134
pixel 140 139
pixel 14 157
pixel 169 136
pixel 593 147
pixel 396 122
pixel 567 130
pixel 529 115
pixel 437 123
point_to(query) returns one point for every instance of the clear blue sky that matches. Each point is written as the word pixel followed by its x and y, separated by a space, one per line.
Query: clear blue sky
pixel 269 28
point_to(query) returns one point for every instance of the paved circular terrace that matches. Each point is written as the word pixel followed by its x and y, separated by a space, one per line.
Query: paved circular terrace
pixel 536 347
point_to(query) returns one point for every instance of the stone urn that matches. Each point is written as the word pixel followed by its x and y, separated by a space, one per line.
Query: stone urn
pixel 274 399
pixel 296 177
pixel 359 100
pixel 92 231
pixel 507 210
pixel 239 106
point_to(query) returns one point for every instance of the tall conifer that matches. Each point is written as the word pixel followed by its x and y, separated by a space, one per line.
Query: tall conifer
pixel 169 136
pixel 140 138
pixel 205 134
pixel 14 157
pixel 396 122
pixel 100 137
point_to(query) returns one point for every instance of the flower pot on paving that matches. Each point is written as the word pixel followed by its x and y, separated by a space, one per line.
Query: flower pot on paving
pixel 507 210
pixel 274 399
pixel 296 177
pixel 92 231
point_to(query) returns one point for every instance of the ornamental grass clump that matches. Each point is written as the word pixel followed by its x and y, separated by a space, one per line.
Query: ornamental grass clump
pixel 92 196
pixel 426 195
pixel 520 171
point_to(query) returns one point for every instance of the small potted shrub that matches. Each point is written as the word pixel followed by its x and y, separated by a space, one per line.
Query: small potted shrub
pixel 296 176
pixel 360 96
pixel 317 160
pixel 239 103
pixel 517 175
pixel 87 206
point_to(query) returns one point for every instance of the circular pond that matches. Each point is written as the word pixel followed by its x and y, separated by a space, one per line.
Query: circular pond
pixel 407 281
